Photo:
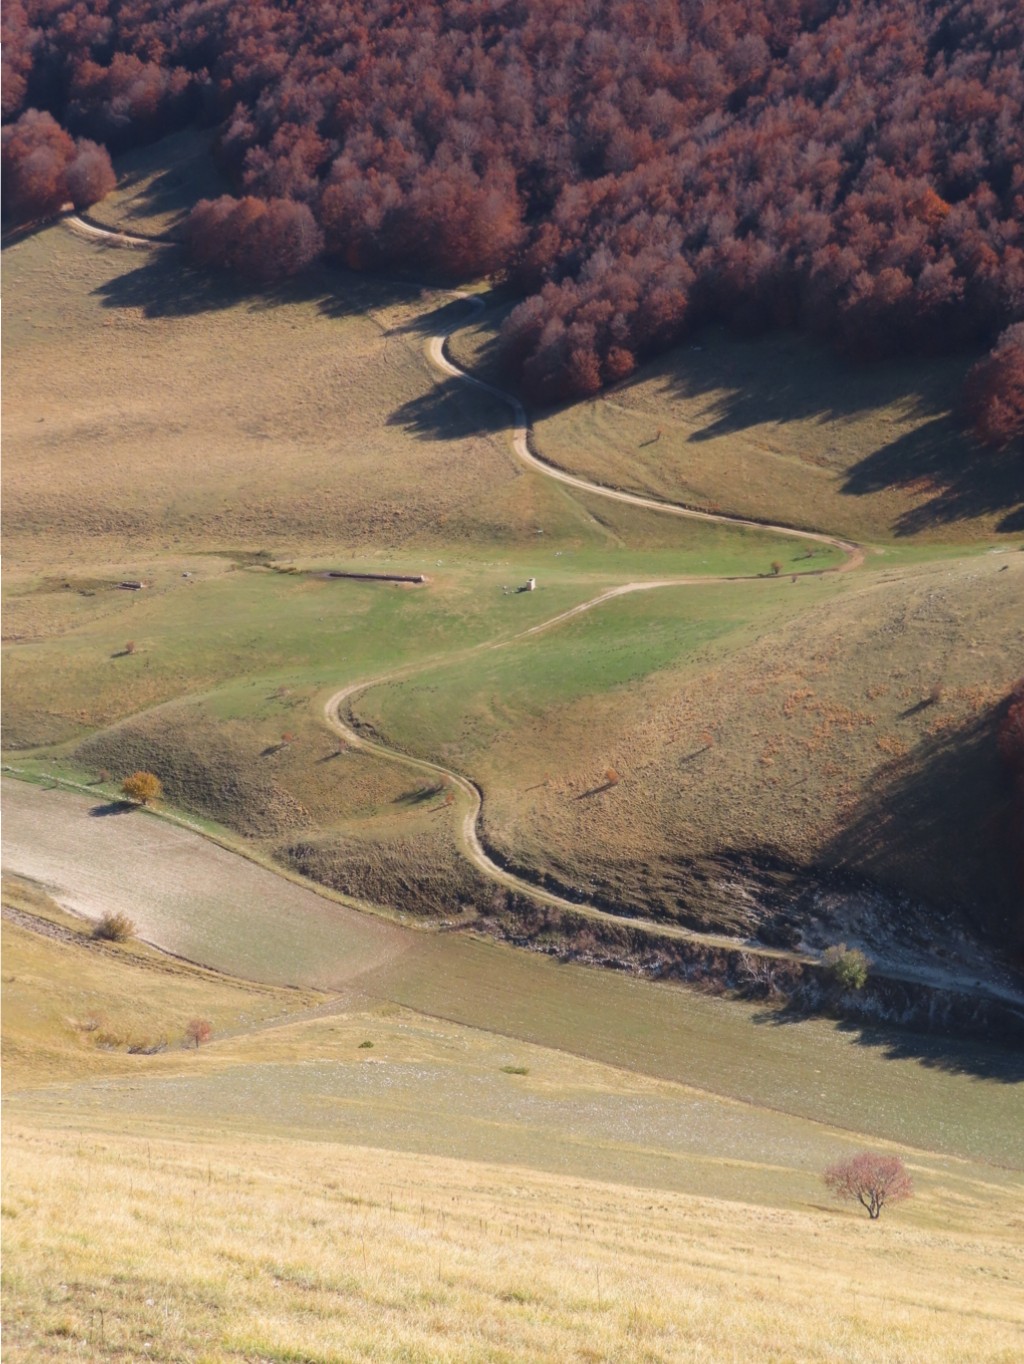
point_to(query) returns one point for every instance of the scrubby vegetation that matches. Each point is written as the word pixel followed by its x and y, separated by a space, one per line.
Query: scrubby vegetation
pixel 142 787
pixel 114 927
pixel 846 967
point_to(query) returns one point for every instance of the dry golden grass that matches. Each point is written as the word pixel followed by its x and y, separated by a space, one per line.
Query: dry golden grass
pixel 780 429
pixel 194 897
pixel 73 1006
pixel 237 1203
pixel 125 1246
pixel 155 192
pixel 147 408
pixel 234 1203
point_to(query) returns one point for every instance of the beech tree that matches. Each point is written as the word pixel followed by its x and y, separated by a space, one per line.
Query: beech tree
pixel 266 240
pixel 90 176
pixel 869 1179
pixel 44 167
pixel 198 1031
pixel 634 170
pixel 994 392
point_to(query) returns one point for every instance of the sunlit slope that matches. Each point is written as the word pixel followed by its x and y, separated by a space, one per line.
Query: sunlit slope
pixel 962 1100
pixel 780 429
pixel 149 407
pixel 368 1182
pixel 857 734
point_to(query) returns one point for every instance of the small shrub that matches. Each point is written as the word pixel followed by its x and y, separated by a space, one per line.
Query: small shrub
pixel 142 788
pixel 114 928
pixel 198 1031
pixel 776 567
pixel 515 1070
pixel 129 648
pixel 362 1045
pixel 846 967
pixel 146 1046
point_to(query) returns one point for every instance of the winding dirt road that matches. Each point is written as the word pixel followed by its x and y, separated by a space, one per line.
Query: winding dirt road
pixel 472 796
pixel 437 352
pixel 469 828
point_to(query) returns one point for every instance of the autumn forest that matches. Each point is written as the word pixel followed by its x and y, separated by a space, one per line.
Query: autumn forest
pixel 632 170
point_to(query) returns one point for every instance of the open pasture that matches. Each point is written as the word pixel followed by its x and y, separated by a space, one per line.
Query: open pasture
pixel 329 442
pixel 186 893
pixel 780 429
pixel 364 1179
pixel 962 1100
pixel 812 720
pixel 266 1250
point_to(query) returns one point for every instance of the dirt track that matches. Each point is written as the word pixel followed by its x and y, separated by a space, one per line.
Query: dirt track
pixel 436 350
pixel 470 824
pixel 472 796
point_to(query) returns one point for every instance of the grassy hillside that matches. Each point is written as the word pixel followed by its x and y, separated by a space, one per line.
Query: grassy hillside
pixel 368 1182
pixel 253 1252
pixel 825 724
pixel 963 1100
pixel 75 1006
pixel 759 730
pixel 780 429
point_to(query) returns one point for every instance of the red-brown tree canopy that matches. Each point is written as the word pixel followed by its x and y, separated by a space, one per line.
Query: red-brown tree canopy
pixel 994 392
pixel 44 168
pixel 265 239
pixel 634 168
pixel 870 1179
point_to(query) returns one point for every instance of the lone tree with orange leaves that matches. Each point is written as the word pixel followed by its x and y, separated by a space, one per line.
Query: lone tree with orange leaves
pixel 142 788
pixel 869 1179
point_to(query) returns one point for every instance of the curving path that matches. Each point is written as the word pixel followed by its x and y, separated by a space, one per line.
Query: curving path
pixel 437 351
pixel 93 232
pixel 469 828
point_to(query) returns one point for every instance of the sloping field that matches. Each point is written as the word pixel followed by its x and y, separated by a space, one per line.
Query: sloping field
pixel 264 1250
pixel 736 722
pixel 370 1183
pixel 963 1100
pixel 124 427
pixel 74 1006
pixel 187 894
pixel 780 429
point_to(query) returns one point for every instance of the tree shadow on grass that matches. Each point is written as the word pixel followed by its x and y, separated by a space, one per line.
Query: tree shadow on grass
pixel 943 815
pixel 785 378
pixel 167 286
pixel 112 807
pixel 448 317
pixel 952 1055
pixel 452 410
pixel 961 481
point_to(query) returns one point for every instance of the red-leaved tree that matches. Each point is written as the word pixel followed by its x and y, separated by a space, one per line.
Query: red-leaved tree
pixel 263 239
pixel 44 167
pixel 994 392
pixel 869 1179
